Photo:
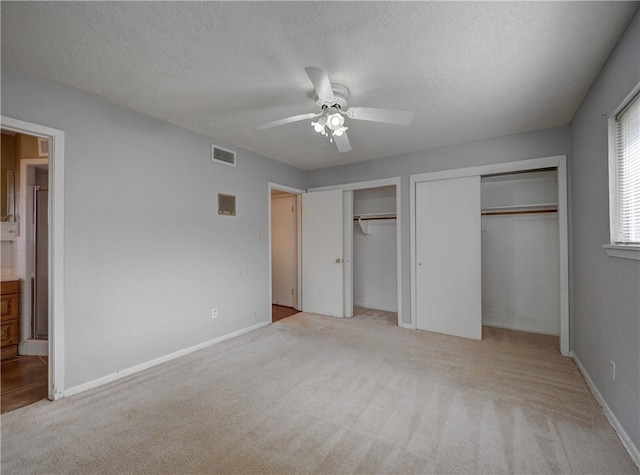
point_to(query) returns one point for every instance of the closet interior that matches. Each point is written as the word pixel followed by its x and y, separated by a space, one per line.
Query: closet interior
pixel 375 249
pixel 520 251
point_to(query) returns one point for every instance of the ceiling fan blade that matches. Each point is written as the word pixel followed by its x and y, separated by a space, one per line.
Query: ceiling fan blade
pixel 321 83
pixel 387 116
pixel 288 120
pixel 342 142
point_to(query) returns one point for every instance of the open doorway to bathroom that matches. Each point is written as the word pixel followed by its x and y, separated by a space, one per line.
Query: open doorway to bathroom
pixel 25 269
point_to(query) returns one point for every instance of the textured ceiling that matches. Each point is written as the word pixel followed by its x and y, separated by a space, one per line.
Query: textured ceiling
pixel 468 70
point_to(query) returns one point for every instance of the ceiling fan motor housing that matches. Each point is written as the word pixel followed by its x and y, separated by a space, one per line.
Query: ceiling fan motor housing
pixel 341 95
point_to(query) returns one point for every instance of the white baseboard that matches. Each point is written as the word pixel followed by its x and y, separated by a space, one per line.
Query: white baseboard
pixel 149 364
pixel 613 420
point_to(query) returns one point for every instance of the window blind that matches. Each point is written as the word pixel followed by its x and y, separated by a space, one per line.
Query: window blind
pixel 626 219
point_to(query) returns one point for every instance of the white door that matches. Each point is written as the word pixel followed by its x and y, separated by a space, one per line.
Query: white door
pixel 322 235
pixel 448 257
pixel 283 250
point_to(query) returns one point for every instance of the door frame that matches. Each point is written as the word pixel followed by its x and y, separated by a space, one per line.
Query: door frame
pixel 295 191
pixel 56 383
pixel 560 163
pixel 361 185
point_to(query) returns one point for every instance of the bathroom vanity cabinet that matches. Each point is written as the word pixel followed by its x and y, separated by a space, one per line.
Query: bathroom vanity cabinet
pixel 10 322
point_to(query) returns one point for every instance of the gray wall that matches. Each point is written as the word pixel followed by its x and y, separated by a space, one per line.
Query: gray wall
pixel 541 143
pixel 146 254
pixel 606 303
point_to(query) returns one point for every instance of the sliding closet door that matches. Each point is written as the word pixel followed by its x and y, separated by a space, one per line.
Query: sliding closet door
pixel 448 257
pixel 322 255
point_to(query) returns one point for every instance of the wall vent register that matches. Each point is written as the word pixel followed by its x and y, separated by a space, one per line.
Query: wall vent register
pixel 222 155
pixel 43 147
pixel 226 204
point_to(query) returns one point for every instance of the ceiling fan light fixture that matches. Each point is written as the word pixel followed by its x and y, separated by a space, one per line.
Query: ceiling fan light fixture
pixel 340 131
pixel 319 124
pixel 331 98
pixel 335 120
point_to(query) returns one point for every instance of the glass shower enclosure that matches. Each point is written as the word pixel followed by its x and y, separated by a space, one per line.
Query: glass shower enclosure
pixel 40 287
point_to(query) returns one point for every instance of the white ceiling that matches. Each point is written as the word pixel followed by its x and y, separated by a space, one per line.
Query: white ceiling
pixel 467 70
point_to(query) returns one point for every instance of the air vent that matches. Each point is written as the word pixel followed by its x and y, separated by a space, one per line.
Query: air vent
pixel 222 155
pixel 226 204
pixel 43 147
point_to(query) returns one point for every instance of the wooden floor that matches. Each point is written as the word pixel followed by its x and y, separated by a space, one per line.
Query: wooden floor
pixel 278 312
pixel 23 381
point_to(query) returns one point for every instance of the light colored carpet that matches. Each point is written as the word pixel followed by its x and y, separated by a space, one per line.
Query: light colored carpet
pixel 313 394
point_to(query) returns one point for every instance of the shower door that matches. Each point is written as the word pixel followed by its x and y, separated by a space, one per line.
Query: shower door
pixel 41 263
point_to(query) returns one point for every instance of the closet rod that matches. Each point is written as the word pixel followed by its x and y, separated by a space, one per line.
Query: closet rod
pixel 529 211
pixel 373 218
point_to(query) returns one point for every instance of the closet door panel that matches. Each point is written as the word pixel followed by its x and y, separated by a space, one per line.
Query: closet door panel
pixel 322 253
pixel 448 257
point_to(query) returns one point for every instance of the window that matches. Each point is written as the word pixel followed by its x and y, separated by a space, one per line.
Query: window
pixel 625 175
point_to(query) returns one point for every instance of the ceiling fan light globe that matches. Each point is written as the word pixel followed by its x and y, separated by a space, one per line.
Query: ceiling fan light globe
pixel 320 124
pixel 340 131
pixel 335 120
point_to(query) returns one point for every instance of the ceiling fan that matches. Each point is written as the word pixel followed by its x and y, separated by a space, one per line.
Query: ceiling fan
pixel 331 98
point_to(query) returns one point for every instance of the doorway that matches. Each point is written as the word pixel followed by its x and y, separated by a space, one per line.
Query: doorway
pixel 520 252
pixel 374 244
pixel 371 205
pixel 48 152
pixel 284 214
pixel 25 268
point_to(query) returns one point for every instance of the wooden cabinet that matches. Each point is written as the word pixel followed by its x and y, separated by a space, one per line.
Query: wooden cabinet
pixel 10 318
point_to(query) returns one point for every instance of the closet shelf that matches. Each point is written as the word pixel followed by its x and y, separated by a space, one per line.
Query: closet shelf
pixel 520 209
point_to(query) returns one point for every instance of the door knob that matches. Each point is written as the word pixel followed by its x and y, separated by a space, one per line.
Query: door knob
pixel 338 260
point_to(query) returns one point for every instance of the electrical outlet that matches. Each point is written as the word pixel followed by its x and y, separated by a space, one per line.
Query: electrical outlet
pixel 214 313
pixel 613 369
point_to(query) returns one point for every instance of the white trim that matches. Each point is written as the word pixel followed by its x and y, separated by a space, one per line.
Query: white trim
pixel 412 250
pixel 622 251
pixel 560 163
pixel 563 247
pixel 361 185
pixel 613 420
pixel 296 191
pixel 56 246
pixel 506 167
pixel 163 359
